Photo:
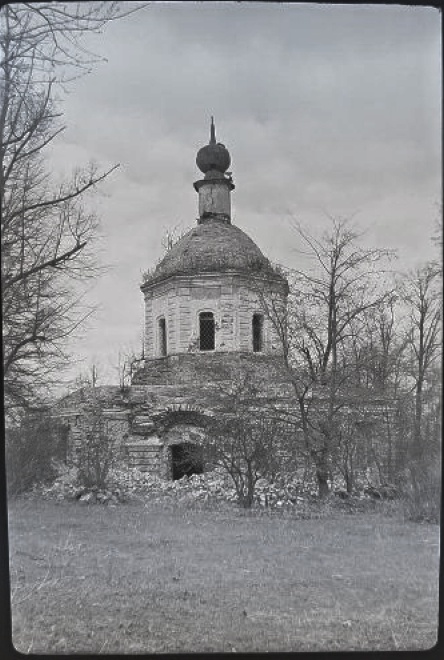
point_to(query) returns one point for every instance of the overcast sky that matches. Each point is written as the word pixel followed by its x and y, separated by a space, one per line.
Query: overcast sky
pixel 325 110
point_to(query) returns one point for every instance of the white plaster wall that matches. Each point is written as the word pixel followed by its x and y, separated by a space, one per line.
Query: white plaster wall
pixel 149 338
pixel 180 300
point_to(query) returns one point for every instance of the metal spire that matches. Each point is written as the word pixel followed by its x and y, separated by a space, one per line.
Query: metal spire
pixel 212 132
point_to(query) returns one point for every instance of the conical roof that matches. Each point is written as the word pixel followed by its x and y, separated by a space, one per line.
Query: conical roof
pixel 213 247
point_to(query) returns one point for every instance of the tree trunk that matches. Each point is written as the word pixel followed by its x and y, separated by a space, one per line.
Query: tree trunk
pixel 322 474
pixel 418 416
pixel 349 479
pixel 323 487
pixel 248 497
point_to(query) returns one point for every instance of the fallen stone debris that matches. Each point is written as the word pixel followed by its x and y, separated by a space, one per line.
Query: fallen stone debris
pixel 124 485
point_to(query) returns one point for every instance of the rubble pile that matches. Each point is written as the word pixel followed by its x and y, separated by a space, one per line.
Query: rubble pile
pixel 124 484
pixel 67 486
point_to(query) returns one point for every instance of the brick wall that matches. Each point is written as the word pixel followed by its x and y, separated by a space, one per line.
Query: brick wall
pixel 206 367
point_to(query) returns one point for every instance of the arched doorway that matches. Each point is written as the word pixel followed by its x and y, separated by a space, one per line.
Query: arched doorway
pixel 182 432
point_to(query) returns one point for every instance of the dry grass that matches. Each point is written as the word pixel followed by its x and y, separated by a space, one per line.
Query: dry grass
pixel 158 577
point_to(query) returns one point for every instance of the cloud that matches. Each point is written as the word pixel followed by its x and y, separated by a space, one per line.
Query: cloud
pixel 324 108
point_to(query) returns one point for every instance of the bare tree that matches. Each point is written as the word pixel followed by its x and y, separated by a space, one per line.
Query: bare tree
pixel 376 349
pixel 248 439
pixel 97 454
pixel 128 361
pixel 327 303
pixel 47 231
pixel 171 236
pixel 421 293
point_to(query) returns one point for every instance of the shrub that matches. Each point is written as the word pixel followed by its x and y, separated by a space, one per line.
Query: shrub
pixel 422 492
pixel 32 450
pixel 96 455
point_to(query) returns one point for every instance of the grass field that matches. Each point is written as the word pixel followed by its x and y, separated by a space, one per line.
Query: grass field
pixel 165 577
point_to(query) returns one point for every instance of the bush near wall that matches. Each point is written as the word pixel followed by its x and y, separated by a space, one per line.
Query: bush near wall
pixel 33 449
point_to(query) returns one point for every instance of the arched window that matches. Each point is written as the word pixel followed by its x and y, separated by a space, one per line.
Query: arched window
pixel 206 331
pixel 162 337
pixel 258 332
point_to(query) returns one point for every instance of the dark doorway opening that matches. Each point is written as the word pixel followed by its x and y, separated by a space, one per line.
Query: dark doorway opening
pixel 186 459
pixel 206 331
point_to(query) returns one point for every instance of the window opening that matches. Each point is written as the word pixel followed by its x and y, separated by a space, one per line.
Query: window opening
pixel 162 337
pixel 206 331
pixel 258 324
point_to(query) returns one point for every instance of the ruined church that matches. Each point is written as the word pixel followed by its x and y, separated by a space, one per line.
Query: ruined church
pixel 203 325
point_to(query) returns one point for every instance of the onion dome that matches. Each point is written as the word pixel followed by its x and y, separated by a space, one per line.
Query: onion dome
pixel 214 157
pixel 213 247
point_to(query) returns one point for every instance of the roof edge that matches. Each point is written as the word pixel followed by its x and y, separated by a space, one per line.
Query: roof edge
pixel 275 277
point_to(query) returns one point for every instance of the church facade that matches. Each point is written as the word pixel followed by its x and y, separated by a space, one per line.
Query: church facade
pixel 204 324
pixel 202 297
pixel 205 329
